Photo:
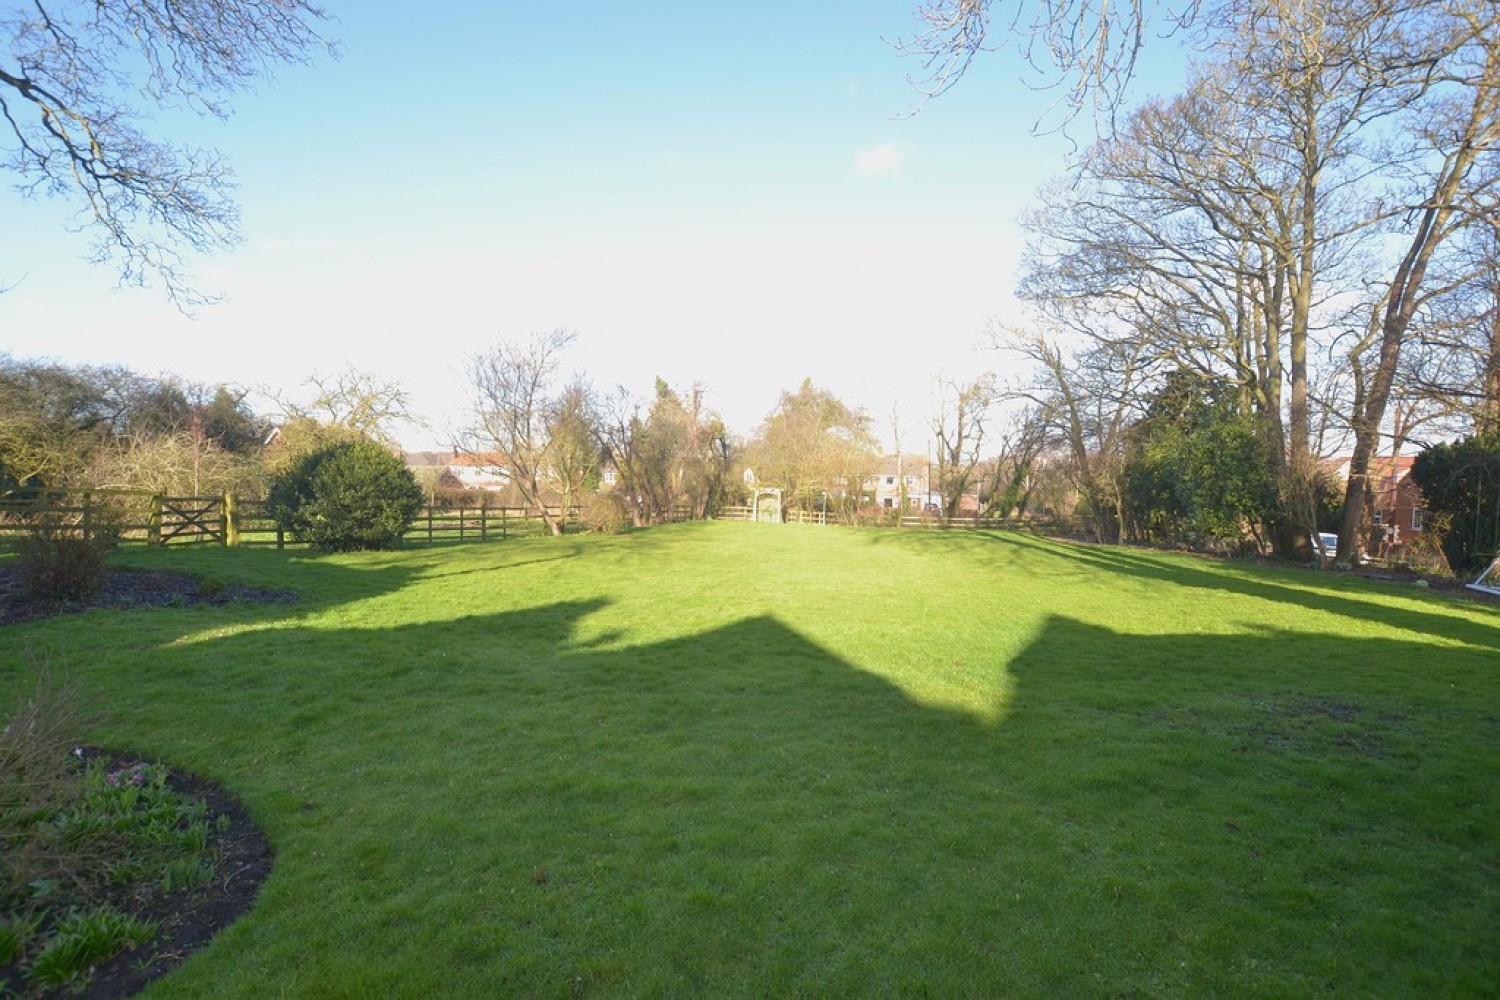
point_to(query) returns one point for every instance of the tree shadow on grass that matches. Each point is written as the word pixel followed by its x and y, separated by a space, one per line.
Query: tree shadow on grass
pixel 1247 581
pixel 487 805
pixel 1266 586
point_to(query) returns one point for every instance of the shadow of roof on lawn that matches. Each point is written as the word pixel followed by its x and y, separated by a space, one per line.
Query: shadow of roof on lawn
pixel 726 795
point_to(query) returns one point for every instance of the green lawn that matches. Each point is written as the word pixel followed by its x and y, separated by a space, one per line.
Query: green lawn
pixel 752 760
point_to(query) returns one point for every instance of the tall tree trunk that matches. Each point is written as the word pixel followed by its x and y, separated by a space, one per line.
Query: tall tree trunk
pixel 1478 134
pixel 1487 420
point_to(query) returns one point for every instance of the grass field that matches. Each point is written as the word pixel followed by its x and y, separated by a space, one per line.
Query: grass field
pixel 749 760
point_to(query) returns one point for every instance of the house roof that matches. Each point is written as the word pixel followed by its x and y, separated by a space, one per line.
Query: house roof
pixel 477 460
pixel 427 459
pixel 1387 467
pixel 906 465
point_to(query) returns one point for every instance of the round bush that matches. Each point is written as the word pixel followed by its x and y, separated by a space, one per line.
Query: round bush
pixel 605 513
pixel 351 495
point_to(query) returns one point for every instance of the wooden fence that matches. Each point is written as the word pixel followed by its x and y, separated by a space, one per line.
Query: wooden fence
pixel 932 522
pixel 926 522
pixel 140 516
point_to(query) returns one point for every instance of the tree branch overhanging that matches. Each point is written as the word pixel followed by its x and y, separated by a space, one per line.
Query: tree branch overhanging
pixel 77 82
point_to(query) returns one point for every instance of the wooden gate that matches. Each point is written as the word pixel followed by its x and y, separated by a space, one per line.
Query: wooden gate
pixel 200 518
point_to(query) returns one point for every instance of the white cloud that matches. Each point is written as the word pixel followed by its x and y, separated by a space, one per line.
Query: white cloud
pixel 879 161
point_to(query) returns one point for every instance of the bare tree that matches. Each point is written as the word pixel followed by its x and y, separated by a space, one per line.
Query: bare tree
pixel 962 410
pixel 177 463
pixel 73 81
pixel 1225 228
pixel 515 398
pixel 368 405
pixel 672 452
pixel 55 417
pixel 1086 402
pixel 1455 181
pixel 1011 472
pixel 1453 361
pixel 1090 47
pixel 573 428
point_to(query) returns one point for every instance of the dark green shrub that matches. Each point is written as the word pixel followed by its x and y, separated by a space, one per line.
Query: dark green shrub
pixel 351 495
pixel 1460 485
pixel 58 562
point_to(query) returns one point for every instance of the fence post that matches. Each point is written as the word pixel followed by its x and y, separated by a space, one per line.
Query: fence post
pixel 153 527
pixel 429 524
pixel 504 522
pixel 231 521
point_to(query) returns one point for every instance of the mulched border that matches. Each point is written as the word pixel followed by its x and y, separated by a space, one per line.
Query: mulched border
pixel 189 919
pixel 131 588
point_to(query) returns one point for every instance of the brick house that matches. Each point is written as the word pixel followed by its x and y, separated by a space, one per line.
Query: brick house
pixel 1399 514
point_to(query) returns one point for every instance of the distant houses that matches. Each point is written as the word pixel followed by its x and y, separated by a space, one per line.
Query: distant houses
pixel 461 470
pixel 900 482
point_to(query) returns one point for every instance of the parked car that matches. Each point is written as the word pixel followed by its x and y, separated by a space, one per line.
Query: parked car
pixel 1330 543
pixel 1326 544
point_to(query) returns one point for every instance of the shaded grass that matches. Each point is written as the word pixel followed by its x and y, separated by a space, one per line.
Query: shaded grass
pixel 743 760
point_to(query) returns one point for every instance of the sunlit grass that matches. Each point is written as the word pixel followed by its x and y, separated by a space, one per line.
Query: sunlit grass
pixel 731 759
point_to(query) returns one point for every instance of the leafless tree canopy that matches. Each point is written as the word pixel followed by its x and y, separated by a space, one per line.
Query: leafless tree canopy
pixel 958 430
pixel 75 80
pixel 516 398
pixel 1087 48
pixel 368 405
pixel 1318 191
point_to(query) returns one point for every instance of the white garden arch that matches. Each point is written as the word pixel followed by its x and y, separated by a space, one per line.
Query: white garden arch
pixel 765 504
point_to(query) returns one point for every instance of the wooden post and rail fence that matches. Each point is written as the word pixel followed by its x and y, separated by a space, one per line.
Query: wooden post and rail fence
pixel 141 516
pixel 884 519
pixel 144 517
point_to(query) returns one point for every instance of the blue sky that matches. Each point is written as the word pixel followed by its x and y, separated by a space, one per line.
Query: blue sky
pixel 735 195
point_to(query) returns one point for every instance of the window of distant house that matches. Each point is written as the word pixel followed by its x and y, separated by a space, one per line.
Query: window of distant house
pixel 889 503
pixel 911 480
pixel 890 480
pixel 610 476
pixel 1418 519
pixel 1379 518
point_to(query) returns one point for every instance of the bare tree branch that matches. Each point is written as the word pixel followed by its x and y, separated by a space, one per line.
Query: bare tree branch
pixel 74 77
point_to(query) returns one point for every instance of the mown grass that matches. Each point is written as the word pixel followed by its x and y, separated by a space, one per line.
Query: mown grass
pixel 735 759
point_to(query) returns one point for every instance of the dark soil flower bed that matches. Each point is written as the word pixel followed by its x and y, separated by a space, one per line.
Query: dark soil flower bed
pixel 131 588
pixel 187 919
